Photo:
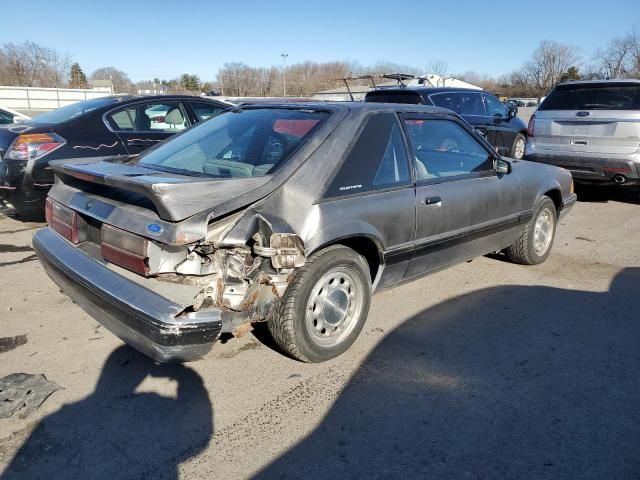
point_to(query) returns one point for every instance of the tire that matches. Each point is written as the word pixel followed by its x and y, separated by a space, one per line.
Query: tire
pixel 531 248
pixel 307 326
pixel 517 149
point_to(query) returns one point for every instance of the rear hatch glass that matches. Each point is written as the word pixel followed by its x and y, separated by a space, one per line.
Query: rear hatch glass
pixel 240 143
pixel 609 96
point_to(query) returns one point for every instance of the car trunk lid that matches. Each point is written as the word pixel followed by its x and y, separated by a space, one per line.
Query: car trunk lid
pixel 173 197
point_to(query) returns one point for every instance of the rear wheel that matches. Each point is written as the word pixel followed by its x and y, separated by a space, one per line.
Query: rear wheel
pixel 325 306
pixel 535 242
pixel 517 149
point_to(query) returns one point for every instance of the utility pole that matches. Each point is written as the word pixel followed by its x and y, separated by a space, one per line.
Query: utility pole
pixel 284 73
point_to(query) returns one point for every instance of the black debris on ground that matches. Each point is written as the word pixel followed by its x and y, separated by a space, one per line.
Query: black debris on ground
pixel 9 343
pixel 23 393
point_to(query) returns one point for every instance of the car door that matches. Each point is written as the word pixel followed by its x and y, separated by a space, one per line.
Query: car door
pixel 497 121
pixel 463 207
pixel 372 193
pixel 144 124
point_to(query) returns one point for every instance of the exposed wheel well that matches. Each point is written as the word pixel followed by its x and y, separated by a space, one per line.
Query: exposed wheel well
pixel 556 197
pixel 366 247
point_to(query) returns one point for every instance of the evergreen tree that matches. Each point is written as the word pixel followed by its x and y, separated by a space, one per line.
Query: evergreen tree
pixel 77 78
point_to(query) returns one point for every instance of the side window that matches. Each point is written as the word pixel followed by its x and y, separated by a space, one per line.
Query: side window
pixel 443 148
pixel 463 103
pixel 472 104
pixel 377 160
pixel 149 117
pixel 495 107
pixel 204 110
pixel 5 118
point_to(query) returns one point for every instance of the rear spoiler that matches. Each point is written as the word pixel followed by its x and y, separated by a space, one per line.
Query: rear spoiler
pixel 175 197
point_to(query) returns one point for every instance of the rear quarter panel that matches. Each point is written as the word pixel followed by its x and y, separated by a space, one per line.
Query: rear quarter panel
pixel 536 179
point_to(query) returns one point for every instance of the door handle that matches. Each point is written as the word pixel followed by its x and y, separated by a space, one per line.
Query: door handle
pixel 140 143
pixel 432 200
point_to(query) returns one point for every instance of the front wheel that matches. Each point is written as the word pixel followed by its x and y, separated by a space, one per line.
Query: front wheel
pixel 325 306
pixel 534 244
pixel 517 149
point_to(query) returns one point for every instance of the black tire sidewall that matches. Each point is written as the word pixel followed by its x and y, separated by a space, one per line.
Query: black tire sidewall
pixel 345 258
pixel 543 203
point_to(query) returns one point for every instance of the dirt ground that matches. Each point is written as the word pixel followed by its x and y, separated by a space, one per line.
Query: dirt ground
pixel 485 370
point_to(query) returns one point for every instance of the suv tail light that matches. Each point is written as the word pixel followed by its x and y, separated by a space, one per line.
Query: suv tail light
pixel 33 146
pixel 65 221
pixel 532 124
pixel 125 249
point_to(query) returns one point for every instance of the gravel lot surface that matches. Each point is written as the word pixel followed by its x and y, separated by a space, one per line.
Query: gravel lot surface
pixel 485 370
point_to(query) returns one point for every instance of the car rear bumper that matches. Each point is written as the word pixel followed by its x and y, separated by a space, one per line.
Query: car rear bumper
pixel 18 185
pixel 592 169
pixel 145 320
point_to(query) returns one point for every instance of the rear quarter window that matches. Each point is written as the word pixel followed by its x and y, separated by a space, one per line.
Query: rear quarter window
pixel 593 97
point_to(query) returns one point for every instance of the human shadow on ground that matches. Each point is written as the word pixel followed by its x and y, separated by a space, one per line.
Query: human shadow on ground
pixel 117 432
pixel 524 382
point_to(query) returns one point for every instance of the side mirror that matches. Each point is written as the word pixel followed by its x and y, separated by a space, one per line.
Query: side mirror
pixel 512 111
pixel 502 167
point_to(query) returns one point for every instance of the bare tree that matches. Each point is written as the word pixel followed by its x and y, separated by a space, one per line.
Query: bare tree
pixel 547 65
pixel 439 67
pixel 621 58
pixel 29 64
pixel 120 81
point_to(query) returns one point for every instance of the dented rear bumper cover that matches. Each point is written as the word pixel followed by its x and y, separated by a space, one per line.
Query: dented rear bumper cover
pixel 145 320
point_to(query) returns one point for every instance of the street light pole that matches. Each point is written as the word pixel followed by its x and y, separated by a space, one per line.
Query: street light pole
pixel 284 73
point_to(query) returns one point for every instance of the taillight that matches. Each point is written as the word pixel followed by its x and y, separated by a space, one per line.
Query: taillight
pixel 65 221
pixel 125 249
pixel 33 146
pixel 532 124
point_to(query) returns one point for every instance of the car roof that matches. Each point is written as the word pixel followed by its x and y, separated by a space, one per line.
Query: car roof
pixel 135 98
pixel 354 107
pixel 610 80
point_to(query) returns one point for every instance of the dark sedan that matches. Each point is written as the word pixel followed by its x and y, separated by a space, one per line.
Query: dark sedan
pixel 291 214
pixel 495 121
pixel 107 126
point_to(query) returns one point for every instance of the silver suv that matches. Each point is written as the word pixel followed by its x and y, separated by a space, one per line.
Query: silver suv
pixel 591 128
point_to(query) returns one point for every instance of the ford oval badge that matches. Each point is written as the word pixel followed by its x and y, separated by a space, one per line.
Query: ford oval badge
pixel 154 229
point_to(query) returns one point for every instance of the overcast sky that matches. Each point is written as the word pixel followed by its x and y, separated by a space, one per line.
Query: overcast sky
pixel 166 38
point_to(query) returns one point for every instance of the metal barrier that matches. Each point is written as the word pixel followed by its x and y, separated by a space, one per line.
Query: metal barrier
pixel 34 100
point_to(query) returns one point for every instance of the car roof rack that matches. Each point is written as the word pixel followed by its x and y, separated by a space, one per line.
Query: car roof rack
pixel 399 77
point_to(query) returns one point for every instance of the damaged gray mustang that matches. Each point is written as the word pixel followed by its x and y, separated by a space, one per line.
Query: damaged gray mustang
pixel 291 214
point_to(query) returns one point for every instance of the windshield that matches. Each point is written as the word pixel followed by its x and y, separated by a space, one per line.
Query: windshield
pixel 240 143
pixel 589 96
pixel 72 111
